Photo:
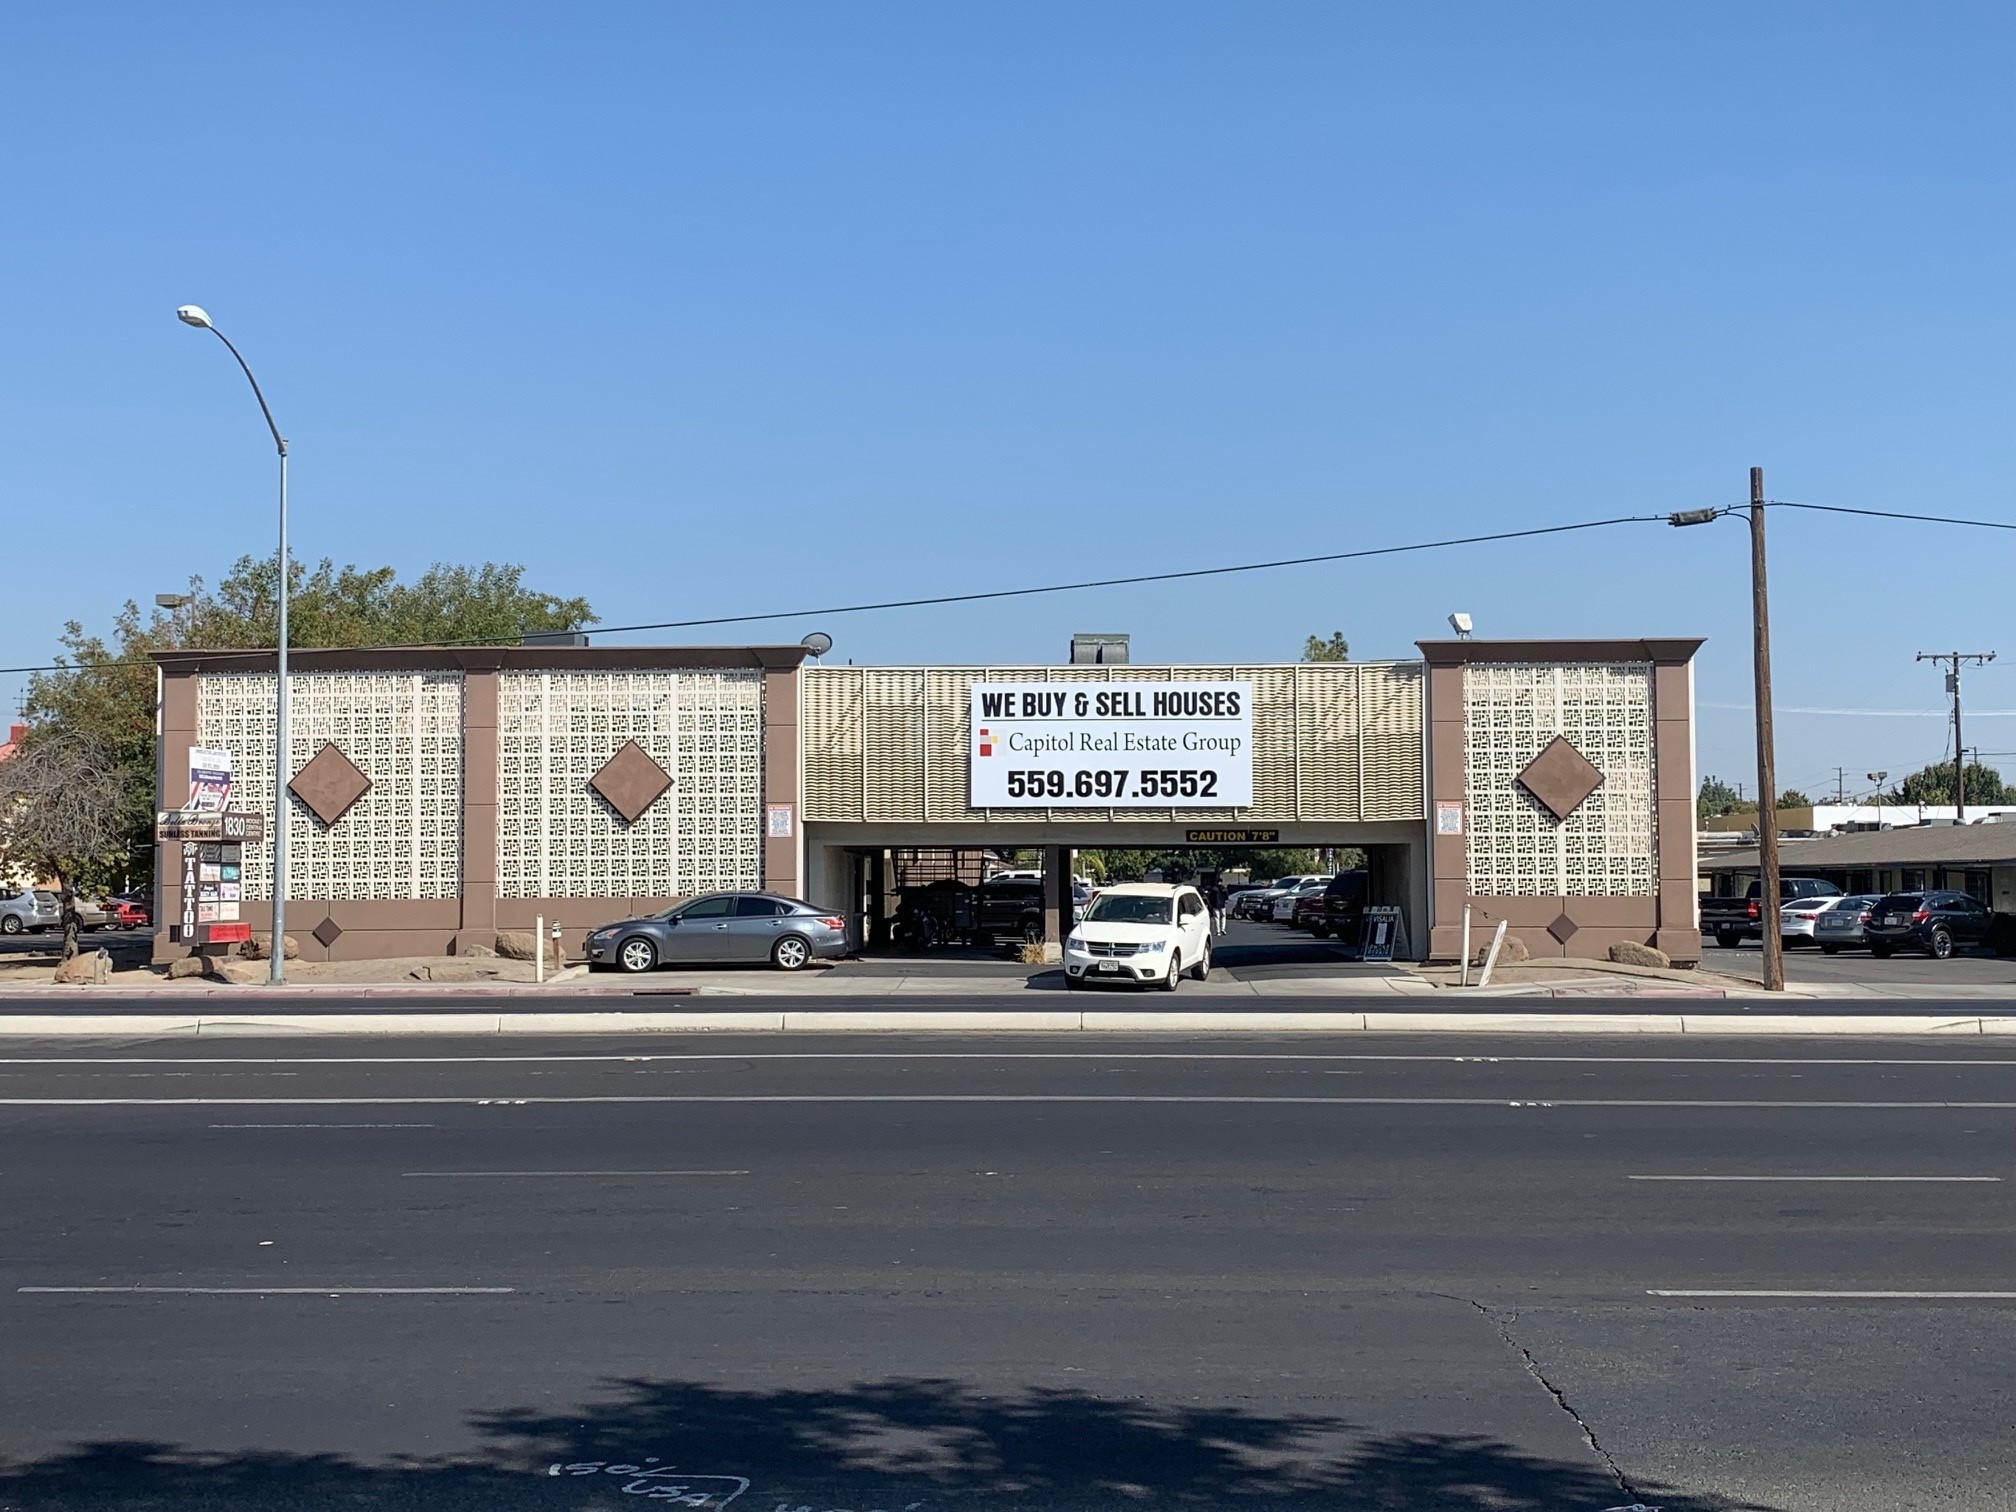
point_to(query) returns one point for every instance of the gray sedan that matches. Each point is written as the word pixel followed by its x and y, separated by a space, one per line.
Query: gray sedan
pixel 723 928
pixel 1840 926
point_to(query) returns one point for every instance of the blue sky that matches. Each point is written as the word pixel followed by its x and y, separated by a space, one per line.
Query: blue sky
pixel 713 309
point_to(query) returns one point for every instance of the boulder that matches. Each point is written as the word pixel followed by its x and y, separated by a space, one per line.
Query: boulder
pixel 1510 953
pixel 188 966
pixel 241 973
pixel 1631 953
pixel 519 945
pixel 455 971
pixel 85 970
pixel 477 951
pixel 260 948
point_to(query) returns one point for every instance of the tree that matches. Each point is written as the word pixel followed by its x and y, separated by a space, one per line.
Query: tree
pixel 1717 798
pixel 1792 798
pixel 1934 785
pixel 105 695
pixel 1333 649
pixel 63 814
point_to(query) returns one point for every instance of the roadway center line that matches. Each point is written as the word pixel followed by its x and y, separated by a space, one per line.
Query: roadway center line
pixel 1881 1296
pixel 710 1100
pixel 1812 1178
pixel 573 1173
pixel 324 1126
pixel 984 1055
pixel 275 1291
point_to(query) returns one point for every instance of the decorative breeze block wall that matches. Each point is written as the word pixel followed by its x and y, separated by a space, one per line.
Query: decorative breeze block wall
pixel 1607 846
pixel 557 838
pixel 403 838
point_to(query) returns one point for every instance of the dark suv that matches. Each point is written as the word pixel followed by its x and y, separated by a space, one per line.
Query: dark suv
pixel 1343 908
pixel 1933 922
pixel 1734 920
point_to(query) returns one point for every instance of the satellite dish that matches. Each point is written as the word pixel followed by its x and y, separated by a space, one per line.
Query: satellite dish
pixel 818 643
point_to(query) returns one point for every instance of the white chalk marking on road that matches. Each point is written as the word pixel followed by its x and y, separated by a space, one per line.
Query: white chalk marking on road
pixel 276 1291
pixel 573 1173
pixel 325 1126
pixel 1873 1296
pixel 711 1100
pixel 1812 1178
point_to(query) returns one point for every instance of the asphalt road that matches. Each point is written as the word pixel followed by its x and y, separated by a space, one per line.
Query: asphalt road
pixel 880 1273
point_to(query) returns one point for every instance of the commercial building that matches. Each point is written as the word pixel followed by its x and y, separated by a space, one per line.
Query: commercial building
pixel 1977 859
pixel 438 796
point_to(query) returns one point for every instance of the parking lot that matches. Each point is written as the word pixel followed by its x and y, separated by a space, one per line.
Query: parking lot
pixel 1805 964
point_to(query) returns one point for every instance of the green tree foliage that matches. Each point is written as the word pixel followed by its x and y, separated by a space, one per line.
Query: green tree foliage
pixel 105 693
pixel 1934 784
pixel 1334 648
pixel 1793 798
pixel 1717 798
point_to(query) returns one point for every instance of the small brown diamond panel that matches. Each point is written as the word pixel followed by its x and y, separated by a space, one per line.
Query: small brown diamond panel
pixel 328 932
pixel 1564 928
pixel 630 781
pixel 1560 777
pixel 329 784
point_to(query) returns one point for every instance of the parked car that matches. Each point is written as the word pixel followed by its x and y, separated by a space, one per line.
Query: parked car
pixel 1236 895
pixel 1343 908
pixel 1839 925
pixel 1934 922
pixel 1308 910
pixel 1283 909
pixel 131 912
pixel 92 914
pixel 1141 932
pixel 720 928
pixel 1734 920
pixel 29 912
pixel 1260 904
pixel 1011 906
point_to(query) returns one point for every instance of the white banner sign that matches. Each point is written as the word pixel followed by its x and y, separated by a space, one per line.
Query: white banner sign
pixel 209 780
pixel 1112 745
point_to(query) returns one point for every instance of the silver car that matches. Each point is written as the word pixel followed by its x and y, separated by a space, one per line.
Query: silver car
pixel 722 929
pixel 29 912
pixel 1841 925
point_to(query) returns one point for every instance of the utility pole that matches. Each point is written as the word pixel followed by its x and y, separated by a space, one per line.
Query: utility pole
pixel 1767 761
pixel 1840 784
pixel 1953 659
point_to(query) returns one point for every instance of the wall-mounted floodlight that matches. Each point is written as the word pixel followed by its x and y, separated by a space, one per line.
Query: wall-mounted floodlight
pixel 1460 623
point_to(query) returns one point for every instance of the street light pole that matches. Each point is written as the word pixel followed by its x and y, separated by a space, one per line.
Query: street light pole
pixel 277 956
pixel 1767 774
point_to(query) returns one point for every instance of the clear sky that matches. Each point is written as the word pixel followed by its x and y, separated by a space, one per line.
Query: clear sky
pixel 708 309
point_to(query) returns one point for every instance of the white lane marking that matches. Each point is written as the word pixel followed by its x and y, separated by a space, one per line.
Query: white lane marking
pixel 951 1097
pixel 983 1055
pixel 276 1291
pixel 1884 1296
pixel 325 1126
pixel 573 1173
pixel 1812 1178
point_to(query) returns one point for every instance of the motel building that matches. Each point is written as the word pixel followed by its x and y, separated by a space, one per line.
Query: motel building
pixel 438 796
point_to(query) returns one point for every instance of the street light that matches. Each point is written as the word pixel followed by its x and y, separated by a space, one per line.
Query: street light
pixel 195 315
pixel 1767 774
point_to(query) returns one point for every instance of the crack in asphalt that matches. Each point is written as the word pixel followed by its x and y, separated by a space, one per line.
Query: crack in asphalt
pixel 1504 1327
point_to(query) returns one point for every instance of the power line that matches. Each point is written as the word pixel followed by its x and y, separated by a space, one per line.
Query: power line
pixel 1890 514
pixel 972 598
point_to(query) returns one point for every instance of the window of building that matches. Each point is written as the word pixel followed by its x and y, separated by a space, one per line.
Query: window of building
pixel 1912 879
pixel 1977 887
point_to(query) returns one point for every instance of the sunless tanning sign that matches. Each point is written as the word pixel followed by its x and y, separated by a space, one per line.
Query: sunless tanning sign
pixel 1112 745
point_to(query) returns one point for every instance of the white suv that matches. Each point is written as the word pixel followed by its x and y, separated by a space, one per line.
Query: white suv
pixel 1140 932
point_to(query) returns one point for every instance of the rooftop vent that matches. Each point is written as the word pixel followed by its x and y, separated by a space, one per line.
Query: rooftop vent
pixel 553 638
pixel 1099 650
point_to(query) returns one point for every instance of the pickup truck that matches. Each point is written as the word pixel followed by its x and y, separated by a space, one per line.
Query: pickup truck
pixel 1734 920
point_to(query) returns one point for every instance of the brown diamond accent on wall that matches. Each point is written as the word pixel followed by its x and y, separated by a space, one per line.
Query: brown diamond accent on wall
pixel 630 781
pixel 1563 928
pixel 329 784
pixel 1560 777
pixel 328 932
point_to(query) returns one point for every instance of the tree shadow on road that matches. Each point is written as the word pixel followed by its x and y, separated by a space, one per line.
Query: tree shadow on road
pixel 920 1445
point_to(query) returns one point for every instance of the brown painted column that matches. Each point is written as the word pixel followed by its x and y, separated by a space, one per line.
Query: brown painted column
pixel 1448 855
pixel 171 764
pixel 480 687
pixel 782 807
pixel 1678 931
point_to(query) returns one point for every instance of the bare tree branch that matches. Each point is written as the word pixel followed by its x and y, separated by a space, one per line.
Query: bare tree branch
pixel 61 814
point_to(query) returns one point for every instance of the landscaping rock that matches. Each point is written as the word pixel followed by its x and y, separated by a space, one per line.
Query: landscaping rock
pixel 1631 953
pixel 1510 953
pixel 454 971
pixel 85 970
pixel 188 966
pixel 239 973
pixel 519 945
pixel 260 948
pixel 477 951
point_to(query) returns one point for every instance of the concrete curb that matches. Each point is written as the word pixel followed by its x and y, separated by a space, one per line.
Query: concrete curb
pixel 730 1021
